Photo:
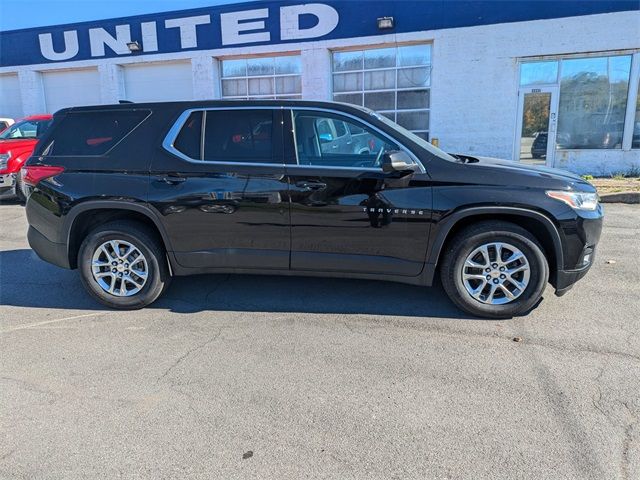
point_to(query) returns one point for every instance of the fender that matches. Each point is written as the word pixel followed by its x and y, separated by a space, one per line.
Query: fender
pixel 447 223
pixel 140 207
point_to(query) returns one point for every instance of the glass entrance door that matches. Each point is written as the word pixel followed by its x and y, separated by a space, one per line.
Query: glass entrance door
pixel 537 119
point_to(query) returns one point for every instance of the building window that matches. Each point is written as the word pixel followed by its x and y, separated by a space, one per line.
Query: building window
pixel 393 81
pixel 593 98
pixel 262 77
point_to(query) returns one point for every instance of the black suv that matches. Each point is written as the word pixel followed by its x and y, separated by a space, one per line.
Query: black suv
pixel 134 194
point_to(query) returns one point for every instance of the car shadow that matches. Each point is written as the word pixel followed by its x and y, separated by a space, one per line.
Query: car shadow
pixel 27 281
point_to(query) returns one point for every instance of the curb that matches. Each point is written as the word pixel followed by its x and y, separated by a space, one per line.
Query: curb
pixel 621 197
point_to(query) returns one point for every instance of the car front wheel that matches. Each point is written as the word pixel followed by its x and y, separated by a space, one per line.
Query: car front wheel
pixel 494 269
pixel 123 266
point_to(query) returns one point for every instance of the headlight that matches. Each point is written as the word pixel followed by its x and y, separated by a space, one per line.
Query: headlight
pixel 4 160
pixel 576 200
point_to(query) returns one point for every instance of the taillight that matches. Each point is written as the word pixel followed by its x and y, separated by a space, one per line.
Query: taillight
pixel 33 174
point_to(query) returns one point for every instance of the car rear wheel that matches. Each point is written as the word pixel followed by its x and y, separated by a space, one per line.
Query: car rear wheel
pixel 123 266
pixel 495 270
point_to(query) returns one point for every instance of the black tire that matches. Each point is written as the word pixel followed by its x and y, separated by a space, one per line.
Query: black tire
pixel 466 241
pixel 22 199
pixel 144 240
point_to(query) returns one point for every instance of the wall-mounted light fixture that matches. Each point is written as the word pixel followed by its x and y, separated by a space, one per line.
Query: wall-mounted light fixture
pixel 134 47
pixel 385 23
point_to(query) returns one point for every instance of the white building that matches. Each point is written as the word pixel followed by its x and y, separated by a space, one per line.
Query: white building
pixel 553 82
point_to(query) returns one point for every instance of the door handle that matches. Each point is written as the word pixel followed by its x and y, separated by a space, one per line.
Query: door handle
pixel 172 179
pixel 311 185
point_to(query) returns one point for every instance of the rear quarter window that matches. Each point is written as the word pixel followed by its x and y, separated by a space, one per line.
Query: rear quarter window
pixel 93 133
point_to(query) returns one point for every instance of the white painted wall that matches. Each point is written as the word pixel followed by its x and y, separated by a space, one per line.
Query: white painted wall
pixel 152 82
pixel 474 95
pixel 11 102
pixel 70 88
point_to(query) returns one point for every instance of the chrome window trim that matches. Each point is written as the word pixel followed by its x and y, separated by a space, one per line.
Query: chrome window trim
pixel 170 138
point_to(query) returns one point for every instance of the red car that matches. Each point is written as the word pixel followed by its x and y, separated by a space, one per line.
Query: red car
pixel 16 145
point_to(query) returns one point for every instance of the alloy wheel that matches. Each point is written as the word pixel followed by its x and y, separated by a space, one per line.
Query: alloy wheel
pixel 496 273
pixel 120 268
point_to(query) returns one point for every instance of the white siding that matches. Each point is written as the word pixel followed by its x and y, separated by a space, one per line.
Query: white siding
pixel 151 82
pixel 10 99
pixel 71 88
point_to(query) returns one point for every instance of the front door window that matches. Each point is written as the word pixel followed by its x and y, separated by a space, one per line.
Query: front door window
pixel 325 139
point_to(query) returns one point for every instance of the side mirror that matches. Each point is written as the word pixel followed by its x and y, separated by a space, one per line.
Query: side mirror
pixel 326 138
pixel 397 161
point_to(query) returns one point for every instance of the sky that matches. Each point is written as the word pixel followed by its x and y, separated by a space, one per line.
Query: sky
pixel 16 14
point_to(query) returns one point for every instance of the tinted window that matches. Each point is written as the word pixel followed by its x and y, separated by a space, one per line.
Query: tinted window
pixel 341 130
pixel 316 147
pixel 238 136
pixel 188 140
pixel 93 133
pixel 26 129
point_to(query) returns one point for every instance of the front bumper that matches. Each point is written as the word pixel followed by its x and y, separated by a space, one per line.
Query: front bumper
pixel 7 185
pixel 566 279
pixel 580 240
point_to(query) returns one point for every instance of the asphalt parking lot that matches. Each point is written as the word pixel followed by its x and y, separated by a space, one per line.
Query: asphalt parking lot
pixel 275 378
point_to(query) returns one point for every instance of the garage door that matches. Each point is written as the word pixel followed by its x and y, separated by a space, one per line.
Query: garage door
pixel 154 82
pixel 71 88
pixel 10 101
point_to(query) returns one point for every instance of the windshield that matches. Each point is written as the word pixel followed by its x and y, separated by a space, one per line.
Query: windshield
pixel 420 141
pixel 25 129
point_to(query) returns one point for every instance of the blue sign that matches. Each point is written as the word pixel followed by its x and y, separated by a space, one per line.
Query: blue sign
pixel 271 22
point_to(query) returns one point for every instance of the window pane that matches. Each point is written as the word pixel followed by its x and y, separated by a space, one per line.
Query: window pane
pixel 234 68
pixel 26 129
pixel 354 98
pixel 322 139
pixel 289 84
pixel 261 86
pixel 379 80
pixel 343 61
pixel 238 135
pixel 593 97
pixel 380 58
pixel 414 77
pixel 260 66
pixel 232 88
pixel 346 82
pixel 94 133
pixel 413 99
pixel 341 130
pixel 414 120
pixel 189 139
pixel 286 65
pixel 538 72
pixel 390 115
pixel 380 100
pixel 635 142
pixel 414 55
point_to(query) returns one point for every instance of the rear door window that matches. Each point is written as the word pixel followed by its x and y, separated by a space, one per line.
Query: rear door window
pixel 93 133
pixel 242 135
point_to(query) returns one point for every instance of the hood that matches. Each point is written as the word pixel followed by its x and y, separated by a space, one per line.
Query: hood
pixel 511 169
pixel 10 144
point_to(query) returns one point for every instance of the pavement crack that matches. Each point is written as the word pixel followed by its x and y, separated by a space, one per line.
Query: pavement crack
pixel 27 386
pixel 188 353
